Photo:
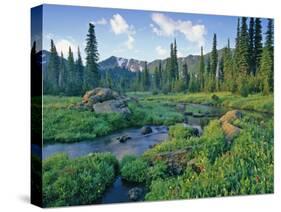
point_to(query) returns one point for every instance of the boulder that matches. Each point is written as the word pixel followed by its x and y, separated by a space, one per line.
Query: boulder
pixel 99 95
pixel 229 129
pixel 146 130
pixel 231 116
pixel 123 138
pixel 135 194
pixel 112 106
pixel 105 100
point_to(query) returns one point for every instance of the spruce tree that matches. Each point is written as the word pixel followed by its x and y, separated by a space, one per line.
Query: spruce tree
pixel 214 56
pixel 269 44
pixel 156 78
pixel 236 58
pixel 251 46
pixel 91 79
pixel 146 80
pixel 221 73
pixel 228 67
pixel 214 63
pixel 63 74
pixel 208 68
pixel 79 73
pixel 185 76
pixel 243 61
pixel 53 70
pixel 139 81
pixel 171 65
pixel 201 69
pixel 160 75
pixel 176 61
pixel 265 71
pixel 207 77
pixel 71 73
pixel 257 44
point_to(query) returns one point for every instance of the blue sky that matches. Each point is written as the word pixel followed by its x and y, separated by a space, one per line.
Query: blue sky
pixel 143 35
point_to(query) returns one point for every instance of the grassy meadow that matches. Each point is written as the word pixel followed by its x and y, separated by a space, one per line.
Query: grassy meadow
pixel 216 167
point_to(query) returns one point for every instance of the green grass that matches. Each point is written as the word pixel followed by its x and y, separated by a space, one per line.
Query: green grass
pixel 243 167
pixel 255 102
pixel 77 181
pixel 63 124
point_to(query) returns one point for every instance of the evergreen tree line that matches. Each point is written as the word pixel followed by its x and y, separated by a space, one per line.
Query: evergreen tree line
pixel 246 68
pixel 69 76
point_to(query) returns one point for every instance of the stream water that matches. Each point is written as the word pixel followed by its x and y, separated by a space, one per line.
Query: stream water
pixel 136 145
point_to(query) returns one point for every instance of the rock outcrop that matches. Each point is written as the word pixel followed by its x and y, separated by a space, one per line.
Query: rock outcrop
pixel 105 100
pixel 123 138
pixel 229 129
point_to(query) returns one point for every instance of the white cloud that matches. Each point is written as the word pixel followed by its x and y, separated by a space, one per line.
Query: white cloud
pixel 166 26
pixel 63 46
pixel 120 26
pixel 130 42
pixel 101 21
pixel 161 52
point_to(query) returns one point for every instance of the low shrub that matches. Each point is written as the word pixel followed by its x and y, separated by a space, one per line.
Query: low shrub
pixel 179 131
pixel 77 181
pixel 135 170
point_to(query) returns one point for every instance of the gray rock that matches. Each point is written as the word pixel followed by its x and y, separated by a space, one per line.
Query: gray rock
pixel 123 138
pixel 105 100
pixel 135 194
pixel 112 106
pixel 146 130
pixel 99 95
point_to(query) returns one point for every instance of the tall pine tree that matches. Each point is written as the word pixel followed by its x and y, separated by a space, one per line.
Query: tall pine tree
pixel 156 78
pixel 92 78
pixel 243 61
pixel 63 74
pixel 252 62
pixel 265 71
pixel 71 73
pixel 269 44
pixel 176 60
pixel 185 76
pixel 146 79
pixel 257 44
pixel 53 70
pixel 214 64
pixel 201 69
pixel 79 73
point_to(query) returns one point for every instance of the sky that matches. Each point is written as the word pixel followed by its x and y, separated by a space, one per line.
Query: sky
pixel 142 35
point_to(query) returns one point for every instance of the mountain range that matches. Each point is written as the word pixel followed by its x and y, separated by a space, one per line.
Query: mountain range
pixel 134 65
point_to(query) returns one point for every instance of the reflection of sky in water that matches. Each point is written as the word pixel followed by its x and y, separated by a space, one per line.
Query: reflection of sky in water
pixel 136 145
